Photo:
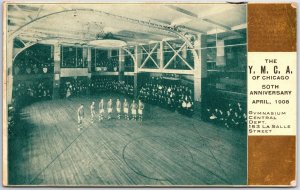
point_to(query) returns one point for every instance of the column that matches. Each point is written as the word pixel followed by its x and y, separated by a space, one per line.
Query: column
pixel 160 55
pixel 200 68
pixel 56 79
pixel 220 60
pixel 9 78
pixel 89 63
pixel 121 64
pixel 87 54
pixel 109 53
pixel 138 58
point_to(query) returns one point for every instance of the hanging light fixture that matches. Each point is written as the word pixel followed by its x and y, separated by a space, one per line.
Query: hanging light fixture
pixel 108 41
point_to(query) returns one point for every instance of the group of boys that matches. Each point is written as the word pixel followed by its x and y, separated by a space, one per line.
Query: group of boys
pixel 100 84
pixel 231 116
pixel 136 110
pixel 73 88
pixel 172 96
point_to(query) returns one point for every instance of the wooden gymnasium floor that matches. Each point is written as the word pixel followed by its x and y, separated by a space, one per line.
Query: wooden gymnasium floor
pixel 165 149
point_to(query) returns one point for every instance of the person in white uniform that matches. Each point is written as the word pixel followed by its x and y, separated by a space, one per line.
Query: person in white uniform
pixel 118 107
pixel 140 110
pixel 101 110
pixel 109 108
pixel 93 113
pixel 133 110
pixel 80 116
pixel 125 107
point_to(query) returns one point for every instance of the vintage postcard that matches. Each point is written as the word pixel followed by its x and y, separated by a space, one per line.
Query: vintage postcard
pixel 149 94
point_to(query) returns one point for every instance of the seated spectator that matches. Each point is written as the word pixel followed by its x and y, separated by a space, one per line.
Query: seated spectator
pixel 31 91
pixel 231 116
pixel 74 87
pixel 171 96
pixel 99 84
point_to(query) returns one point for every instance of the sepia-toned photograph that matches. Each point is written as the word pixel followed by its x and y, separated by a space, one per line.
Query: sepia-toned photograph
pixel 112 94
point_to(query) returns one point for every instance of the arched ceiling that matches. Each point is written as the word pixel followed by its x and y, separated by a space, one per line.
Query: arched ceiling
pixel 95 20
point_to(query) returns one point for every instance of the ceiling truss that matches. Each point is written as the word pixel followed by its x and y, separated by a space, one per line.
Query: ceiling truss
pixel 24 16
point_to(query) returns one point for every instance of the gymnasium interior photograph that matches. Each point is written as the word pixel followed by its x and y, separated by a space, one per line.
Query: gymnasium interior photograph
pixel 126 94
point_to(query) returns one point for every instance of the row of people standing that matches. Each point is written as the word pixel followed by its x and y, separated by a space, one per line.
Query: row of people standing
pixel 133 111
pixel 127 111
